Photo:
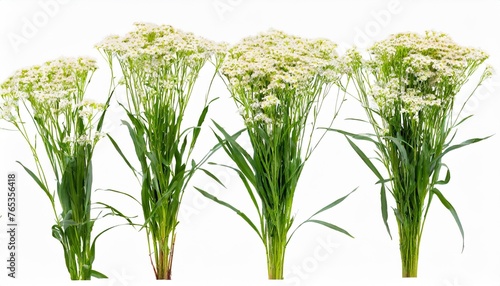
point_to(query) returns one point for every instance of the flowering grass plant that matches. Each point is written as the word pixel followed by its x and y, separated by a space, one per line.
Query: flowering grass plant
pixel 160 67
pixel 68 126
pixel 277 81
pixel 408 88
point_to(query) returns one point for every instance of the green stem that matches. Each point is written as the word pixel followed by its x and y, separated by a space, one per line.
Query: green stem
pixel 78 250
pixel 275 256
pixel 165 258
pixel 409 245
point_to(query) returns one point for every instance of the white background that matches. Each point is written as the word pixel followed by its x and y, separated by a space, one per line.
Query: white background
pixel 214 246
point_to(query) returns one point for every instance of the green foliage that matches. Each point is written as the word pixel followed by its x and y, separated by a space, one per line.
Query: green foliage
pixel 159 83
pixel 279 83
pixel 407 89
pixel 69 128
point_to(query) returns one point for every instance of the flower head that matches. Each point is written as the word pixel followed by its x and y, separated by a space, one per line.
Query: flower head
pixel 158 45
pixel 418 73
pixel 432 57
pixel 160 64
pixel 274 72
pixel 54 91
pixel 277 60
pixel 51 86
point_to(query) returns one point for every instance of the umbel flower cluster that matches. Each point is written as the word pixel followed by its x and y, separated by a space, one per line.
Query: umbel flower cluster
pixel 151 48
pixel 55 93
pixel 160 66
pixel 417 74
pixel 274 74
pixel 408 89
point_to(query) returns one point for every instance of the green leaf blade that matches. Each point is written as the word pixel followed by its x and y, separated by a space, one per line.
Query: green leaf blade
pixel 331 226
pixel 453 212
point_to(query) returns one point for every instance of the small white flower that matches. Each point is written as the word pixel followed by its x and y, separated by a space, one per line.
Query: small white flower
pixel 83 140
pixel 85 112
pixel 69 139
pixel 261 117
pixel 64 104
pixel 99 135
pixel 242 111
pixel 255 105
pixel 269 101
pixel 489 71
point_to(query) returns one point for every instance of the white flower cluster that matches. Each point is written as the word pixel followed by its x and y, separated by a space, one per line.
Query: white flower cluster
pixel 416 72
pixel 85 139
pixel 87 108
pixel 413 102
pixel 55 91
pixel 269 101
pixel 261 112
pixel 160 64
pixel 266 70
pixel 9 110
pixel 350 61
pixel 51 87
pixel 434 56
pixel 160 45
pixel 275 60
pixel 393 100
